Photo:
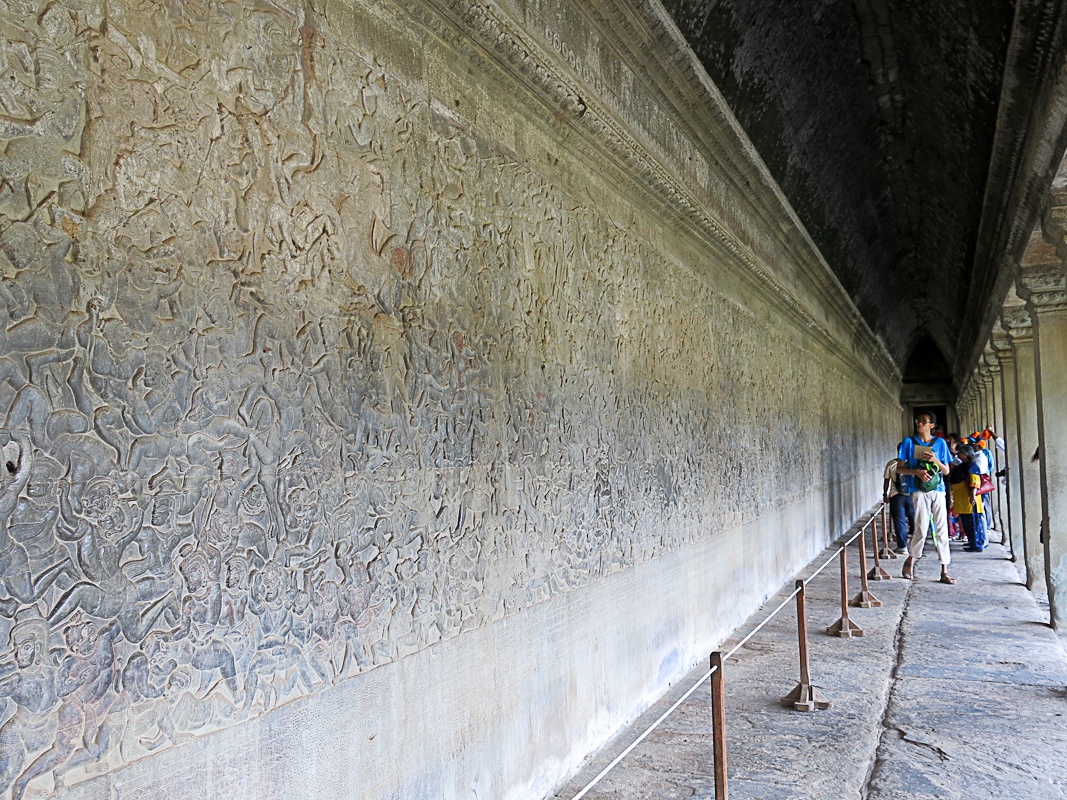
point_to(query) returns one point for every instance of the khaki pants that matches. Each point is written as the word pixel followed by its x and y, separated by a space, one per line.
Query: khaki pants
pixel 930 505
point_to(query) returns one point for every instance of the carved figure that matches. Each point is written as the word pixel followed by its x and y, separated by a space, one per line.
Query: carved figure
pixel 28 679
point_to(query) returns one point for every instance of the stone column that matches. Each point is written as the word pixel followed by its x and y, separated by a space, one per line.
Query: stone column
pixel 1016 321
pixel 1009 430
pixel 1046 296
pixel 986 384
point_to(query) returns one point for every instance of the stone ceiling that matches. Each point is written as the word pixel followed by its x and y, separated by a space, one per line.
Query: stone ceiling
pixel 879 120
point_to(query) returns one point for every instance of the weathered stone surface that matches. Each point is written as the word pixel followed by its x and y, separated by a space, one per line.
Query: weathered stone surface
pixel 328 353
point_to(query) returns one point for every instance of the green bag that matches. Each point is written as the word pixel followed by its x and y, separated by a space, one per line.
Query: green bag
pixel 933 478
pixel 931 482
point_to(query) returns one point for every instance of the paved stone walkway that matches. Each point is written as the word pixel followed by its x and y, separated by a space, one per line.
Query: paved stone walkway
pixel 954 692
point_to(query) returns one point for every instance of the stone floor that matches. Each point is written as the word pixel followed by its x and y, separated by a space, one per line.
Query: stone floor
pixel 953 692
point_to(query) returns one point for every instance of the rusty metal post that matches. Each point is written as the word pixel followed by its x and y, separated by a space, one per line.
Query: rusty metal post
pixel 718 724
pixel 804 697
pixel 877 573
pixel 844 627
pixel 887 551
pixel 865 599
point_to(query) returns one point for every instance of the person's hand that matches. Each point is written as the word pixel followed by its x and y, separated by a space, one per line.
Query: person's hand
pixel 927 456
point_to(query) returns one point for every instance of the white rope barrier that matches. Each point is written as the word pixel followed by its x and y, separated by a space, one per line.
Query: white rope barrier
pixel 615 761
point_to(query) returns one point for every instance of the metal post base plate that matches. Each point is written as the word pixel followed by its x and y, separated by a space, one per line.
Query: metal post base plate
pixel 806 697
pixel 845 628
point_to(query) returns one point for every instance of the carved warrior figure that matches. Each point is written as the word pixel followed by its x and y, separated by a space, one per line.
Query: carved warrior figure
pixel 103 524
pixel 28 679
pixel 86 686
pixel 23 587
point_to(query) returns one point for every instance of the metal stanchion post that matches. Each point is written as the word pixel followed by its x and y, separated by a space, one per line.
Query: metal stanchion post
pixel 887 551
pixel 865 599
pixel 718 724
pixel 844 627
pixel 804 697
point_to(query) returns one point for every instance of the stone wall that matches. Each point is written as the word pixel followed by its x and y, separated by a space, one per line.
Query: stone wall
pixel 350 360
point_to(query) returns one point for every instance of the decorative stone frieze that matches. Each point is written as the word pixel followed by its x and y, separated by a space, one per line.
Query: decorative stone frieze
pixel 312 363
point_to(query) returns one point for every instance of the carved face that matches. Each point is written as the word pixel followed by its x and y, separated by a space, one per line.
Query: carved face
pixel 42 481
pixel 81 638
pixel 158 370
pixel 273 581
pixel 162 510
pixel 222 530
pixel 28 650
pixel 197 573
pixel 237 569
pixel 102 507
pixel 232 464
pixel 298 499
pixel 254 500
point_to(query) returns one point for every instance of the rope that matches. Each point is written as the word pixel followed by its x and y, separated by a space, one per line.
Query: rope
pixel 615 761
pixel 641 738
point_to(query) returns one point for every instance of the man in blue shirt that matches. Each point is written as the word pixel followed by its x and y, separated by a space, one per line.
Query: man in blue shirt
pixel 922 458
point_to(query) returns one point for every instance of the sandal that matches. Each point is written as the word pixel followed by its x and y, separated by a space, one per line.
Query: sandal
pixel 947 579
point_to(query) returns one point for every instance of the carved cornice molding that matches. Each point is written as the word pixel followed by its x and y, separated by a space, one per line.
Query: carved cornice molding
pixel 1030 140
pixel 1044 290
pixel 1017 323
pixel 549 77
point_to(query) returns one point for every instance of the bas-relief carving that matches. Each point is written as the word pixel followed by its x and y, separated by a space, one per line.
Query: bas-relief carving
pixel 302 375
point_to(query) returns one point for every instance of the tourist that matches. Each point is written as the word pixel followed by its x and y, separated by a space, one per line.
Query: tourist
pixel 955 533
pixel 901 508
pixel 983 456
pixel 965 480
pixel 925 463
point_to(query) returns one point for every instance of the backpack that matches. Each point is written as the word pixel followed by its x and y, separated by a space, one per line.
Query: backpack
pixel 933 480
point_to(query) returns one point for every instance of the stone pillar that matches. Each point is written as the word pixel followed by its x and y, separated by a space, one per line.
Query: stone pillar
pixel 1046 296
pixel 985 383
pixel 1009 430
pixel 1016 321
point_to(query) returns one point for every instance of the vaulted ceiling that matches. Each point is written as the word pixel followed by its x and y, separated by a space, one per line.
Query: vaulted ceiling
pixel 898 130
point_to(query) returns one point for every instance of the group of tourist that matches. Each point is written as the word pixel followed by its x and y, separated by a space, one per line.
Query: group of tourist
pixel 937 484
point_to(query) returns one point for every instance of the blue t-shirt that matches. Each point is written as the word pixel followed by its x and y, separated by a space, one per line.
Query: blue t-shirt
pixel 906 453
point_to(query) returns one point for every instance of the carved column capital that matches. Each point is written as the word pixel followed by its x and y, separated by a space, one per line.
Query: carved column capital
pixel 1017 323
pixel 992 361
pixel 1000 343
pixel 1054 224
pixel 1043 290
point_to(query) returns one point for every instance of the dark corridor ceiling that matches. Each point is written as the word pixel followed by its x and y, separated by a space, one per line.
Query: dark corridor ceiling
pixel 878 120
